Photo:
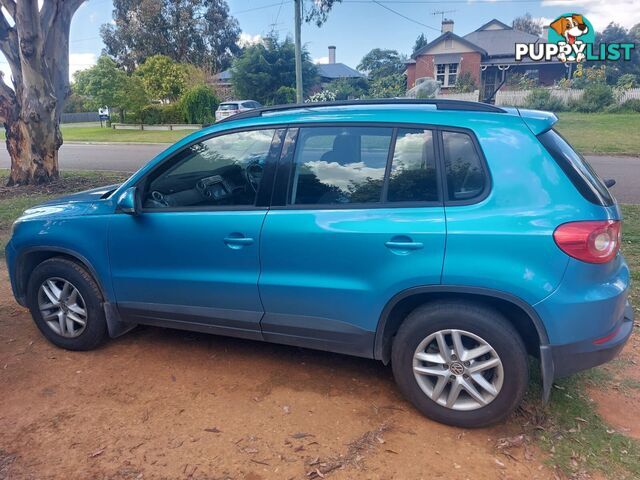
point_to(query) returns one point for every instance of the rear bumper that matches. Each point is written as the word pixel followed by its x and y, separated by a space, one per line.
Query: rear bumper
pixel 574 357
pixel 562 360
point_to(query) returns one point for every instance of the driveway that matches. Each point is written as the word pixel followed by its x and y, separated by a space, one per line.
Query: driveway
pixel 127 157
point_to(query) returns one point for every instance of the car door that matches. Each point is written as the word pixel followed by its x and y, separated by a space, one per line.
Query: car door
pixel 191 256
pixel 357 217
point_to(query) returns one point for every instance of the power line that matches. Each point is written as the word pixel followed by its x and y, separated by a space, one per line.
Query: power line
pixel 278 4
pixel 404 16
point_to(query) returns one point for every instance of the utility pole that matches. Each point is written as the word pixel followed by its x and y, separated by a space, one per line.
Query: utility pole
pixel 298 28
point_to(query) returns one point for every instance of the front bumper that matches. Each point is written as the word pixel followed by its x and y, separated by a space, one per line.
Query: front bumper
pixel 562 360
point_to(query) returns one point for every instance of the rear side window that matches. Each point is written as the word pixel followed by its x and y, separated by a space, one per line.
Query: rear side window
pixel 465 176
pixel 413 168
pixel 579 171
pixel 339 165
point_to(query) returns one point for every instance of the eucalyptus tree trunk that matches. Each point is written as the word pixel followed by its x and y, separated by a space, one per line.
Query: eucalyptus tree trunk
pixel 37 50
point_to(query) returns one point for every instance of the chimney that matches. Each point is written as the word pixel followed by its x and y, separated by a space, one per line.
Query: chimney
pixel 332 54
pixel 447 25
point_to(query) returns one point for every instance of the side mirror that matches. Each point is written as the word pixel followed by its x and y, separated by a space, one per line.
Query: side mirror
pixel 128 201
pixel 609 182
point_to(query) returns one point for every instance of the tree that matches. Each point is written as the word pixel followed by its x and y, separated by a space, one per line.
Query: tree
pixel 265 67
pixel 526 23
pixel 319 11
pixel 421 41
pixel 201 32
pixel 615 33
pixel 349 88
pixel 163 78
pixel 199 104
pixel 106 85
pixel 390 86
pixel 382 63
pixel 35 43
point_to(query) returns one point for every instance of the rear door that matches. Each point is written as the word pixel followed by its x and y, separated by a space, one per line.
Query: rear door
pixel 356 217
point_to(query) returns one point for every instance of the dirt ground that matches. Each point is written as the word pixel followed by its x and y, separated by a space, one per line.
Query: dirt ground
pixel 167 404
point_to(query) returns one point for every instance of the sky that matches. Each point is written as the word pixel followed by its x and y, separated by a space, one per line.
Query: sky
pixel 357 26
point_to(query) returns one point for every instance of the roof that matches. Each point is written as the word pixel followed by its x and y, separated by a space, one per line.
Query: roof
pixel 493 39
pixel 449 36
pixel 500 42
pixel 337 70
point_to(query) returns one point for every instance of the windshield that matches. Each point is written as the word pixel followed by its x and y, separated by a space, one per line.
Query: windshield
pixel 579 171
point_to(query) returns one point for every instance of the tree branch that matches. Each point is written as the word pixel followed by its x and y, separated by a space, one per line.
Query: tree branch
pixel 9 45
pixel 48 15
pixel 10 6
pixel 7 101
pixel 73 5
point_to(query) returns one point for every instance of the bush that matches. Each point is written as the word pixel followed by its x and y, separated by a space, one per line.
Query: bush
pixel 595 98
pixel 285 95
pixel 541 99
pixel 199 105
pixel 465 83
pixel 157 115
pixel 630 106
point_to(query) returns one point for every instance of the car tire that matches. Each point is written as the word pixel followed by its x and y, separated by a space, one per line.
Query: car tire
pixel 421 345
pixel 79 301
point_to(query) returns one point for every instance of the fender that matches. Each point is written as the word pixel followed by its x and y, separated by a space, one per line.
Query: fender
pixel 115 325
pixel 546 362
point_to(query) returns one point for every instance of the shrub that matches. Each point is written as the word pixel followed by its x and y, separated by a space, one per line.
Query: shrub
pixel 630 106
pixel 157 115
pixel 199 105
pixel 151 115
pixel 595 98
pixel 172 113
pixel 285 95
pixel 465 83
pixel 541 99
pixel 322 96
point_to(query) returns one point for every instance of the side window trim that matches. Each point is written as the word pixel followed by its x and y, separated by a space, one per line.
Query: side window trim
pixel 259 204
pixel 280 197
pixel 488 183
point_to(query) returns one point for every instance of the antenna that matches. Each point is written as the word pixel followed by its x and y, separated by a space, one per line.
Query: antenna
pixel 442 13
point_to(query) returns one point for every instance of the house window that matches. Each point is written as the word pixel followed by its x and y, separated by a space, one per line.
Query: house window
pixel 453 73
pixel 440 73
pixel 447 74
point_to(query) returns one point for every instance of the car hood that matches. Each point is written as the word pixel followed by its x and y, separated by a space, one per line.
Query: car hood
pixel 81 203
pixel 86 196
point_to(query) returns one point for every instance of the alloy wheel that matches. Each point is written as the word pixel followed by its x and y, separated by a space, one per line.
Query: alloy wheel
pixel 62 307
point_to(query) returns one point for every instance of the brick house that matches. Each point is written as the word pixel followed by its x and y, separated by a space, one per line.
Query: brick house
pixel 486 53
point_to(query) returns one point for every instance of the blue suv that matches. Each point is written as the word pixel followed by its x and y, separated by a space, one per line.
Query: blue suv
pixel 450 239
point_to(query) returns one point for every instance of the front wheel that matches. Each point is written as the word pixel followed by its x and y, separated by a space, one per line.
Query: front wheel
pixel 460 364
pixel 66 304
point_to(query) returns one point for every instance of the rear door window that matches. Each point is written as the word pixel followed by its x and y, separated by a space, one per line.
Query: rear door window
pixel 579 171
pixel 339 165
pixel 413 175
pixel 466 177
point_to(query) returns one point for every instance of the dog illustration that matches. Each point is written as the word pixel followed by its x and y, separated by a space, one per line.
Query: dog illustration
pixel 571 28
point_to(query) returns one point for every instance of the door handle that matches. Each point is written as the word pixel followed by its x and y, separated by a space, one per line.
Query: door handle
pixel 404 245
pixel 237 242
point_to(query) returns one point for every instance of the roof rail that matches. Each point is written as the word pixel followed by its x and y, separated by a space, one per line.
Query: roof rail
pixel 440 104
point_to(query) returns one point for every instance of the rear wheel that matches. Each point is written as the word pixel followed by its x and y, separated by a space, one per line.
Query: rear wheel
pixel 460 364
pixel 66 304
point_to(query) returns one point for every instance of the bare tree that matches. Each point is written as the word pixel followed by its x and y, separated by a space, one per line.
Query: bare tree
pixel 35 42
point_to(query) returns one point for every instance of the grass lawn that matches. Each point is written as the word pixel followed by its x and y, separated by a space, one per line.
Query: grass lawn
pixel 613 133
pixel 97 134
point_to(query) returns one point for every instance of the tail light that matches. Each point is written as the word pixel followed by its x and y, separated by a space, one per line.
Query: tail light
pixel 592 242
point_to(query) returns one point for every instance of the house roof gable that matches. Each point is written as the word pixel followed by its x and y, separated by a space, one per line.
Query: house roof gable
pixel 494 22
pixel 448 36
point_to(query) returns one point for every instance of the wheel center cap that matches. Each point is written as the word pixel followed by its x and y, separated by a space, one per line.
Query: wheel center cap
pixel 456 368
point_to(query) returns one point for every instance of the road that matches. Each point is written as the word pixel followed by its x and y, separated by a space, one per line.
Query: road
pixel 127 157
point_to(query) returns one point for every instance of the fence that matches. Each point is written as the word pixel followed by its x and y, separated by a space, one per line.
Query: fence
pixel 166 126
pixel 471 96
pixel 518 98
pixel 82 117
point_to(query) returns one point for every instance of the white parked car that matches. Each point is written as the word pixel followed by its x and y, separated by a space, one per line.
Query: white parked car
pixel 226 109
